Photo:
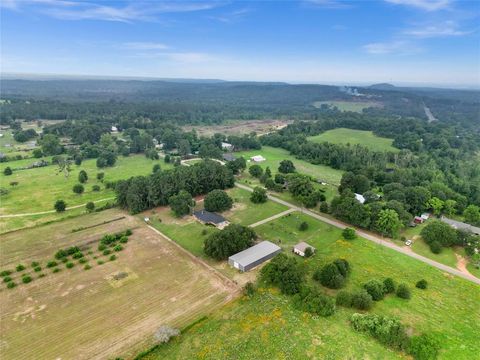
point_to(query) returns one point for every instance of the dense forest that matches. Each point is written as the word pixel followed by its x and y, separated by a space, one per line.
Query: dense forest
pixel 212 102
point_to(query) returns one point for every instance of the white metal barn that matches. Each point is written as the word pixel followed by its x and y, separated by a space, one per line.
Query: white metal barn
pixel 254 256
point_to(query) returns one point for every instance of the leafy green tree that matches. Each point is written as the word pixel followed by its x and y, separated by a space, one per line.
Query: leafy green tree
pixel 60 206
pixel 184 147
pixel 437 232
pixel 259 195
pixel 156 168
pixel 232 239
pixel 403 291
pixel 417 197
pixel 424 347
pixel 218 200
pixel 100 176
pixel 37 153
pixel 82 176
pixel 303 226
pixel 436 205
pixel 388 223
pixel 421 284
pixel 90 206
pixel 375 288
pixel 78 189
pixel 285 272
pixel 389 285
pixel 333 275
pixel 349 233
pixel 50 145
pixel 286 167
pixel 279 179
pixel 7 171
pixel 450 207
pixel 472 214
pixel 182 203
pixel 255 170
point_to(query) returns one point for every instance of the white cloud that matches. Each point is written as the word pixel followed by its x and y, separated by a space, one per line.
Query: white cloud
pixel 130 12
pixel 427 5
pixel 329 4
pixel 399 47
pixel 144 46
pixel 447 28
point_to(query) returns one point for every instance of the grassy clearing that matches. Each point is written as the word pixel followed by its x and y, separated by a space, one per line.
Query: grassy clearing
pixel 90 315
pixel 355 106
pixel 239 127
pixel 350 136
pixel 39 188
pixel 275 155
pixel 268 327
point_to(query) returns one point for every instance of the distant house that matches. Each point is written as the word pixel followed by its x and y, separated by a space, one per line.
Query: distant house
pixel 300 248
pixel 211 218
pixel 227 146
pixel 257 158
pixel 114 129
pixel 254 256
pixel 425 216
pixel 461 225
pixel 418 220
pixel 360 198
pixel 228 157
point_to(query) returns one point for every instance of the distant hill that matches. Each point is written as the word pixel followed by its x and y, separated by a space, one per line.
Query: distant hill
pixel 383 86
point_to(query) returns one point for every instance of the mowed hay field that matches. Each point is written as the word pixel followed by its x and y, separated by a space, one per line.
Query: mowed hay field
pixel 39 188
pixel 109 310
pixel 273 157
pixel 355 106
pixel 360 137
pixel 269 327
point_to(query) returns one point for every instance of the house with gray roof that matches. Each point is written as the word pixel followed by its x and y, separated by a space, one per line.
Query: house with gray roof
pixel 248 259
pixel 211 218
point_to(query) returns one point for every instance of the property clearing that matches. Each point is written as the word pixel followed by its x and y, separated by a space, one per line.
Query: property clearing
pixel 112 309
pixel 355 106
pixel 240 127
pixel 350 136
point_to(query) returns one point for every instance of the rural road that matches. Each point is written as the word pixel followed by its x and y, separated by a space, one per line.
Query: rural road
pixel 51 211
pixel 378 240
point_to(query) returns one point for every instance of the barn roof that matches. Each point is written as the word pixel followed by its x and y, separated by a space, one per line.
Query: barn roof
pixel 255 253
pixel 461 225
pixel 209 217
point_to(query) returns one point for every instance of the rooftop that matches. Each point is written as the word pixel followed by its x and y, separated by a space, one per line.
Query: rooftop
pixel 302 246
pixel 461 225
pixel 255 253
pixel 209 217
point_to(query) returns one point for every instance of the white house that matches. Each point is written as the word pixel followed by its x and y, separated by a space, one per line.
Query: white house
pixel 301 247
pixel 360 198
pixel 227 146
pixel 257 158
pixel 114 129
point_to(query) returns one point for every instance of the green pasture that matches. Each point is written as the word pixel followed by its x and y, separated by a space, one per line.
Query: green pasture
pixel 355 106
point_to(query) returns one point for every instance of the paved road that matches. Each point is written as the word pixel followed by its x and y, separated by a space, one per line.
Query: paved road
pixel 51 211
pixel 283 213
pixel 376 239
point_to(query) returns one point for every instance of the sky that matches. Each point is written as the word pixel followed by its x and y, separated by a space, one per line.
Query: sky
pixel 414 42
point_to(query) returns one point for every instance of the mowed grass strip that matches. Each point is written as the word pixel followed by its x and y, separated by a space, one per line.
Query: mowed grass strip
pixel 350 136
pixel 273 157
pixel 269 327
pixel 78 314
pixel 39 188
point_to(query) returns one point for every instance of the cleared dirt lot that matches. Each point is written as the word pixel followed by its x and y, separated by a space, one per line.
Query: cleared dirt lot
pixel 240 127
pixel 88 314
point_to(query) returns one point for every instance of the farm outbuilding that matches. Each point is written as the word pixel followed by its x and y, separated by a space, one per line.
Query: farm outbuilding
pixel 254 256
pixel 211 218
pixel 461 225
pixel 257 158
pixel 301 247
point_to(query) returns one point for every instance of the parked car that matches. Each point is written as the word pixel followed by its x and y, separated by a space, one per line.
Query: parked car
pixel 409 242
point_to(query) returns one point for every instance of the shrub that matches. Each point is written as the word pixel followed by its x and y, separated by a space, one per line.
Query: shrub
pixel 313 301
pixel 165 333
pixel 303 226
pixel 100 176
pixel 249 289
pixel 343 266
pixel 424 347
pixel 284 272
pixel 7 171
pixel 90 206
pixel 259 195
pixel 87 267
pixel 7 279
pixel 344 298
pixel 11 285
pixel 389 286
pixel 118 248
pixel 362 300
pixel 69 265
pixel 435 247
pixel 5 273
pixel 26 279
pixel 100 262
pixel 113 257
pixel 324 207
pixel 64 260
pixel 51 264
pixel 349 234
pixel 20 267
pixel 403 291
pixel 106 252
pixel 128 232
pixel 375 288
pixel 60 206
pixel 389 331
pixel 308 252
pixel 82 261
pixel 37 269
pixel 34 264
pixel 333 275
pixel 78 188
pixel 77 255
pixel 82 176
pixel 56 270
pixel 41 275
pixel 102 247
pixel 422 284
pixel 123 239
pixel 255 171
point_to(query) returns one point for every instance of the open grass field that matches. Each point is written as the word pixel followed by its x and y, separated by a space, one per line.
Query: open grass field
pixel 112 309
pixel 239 127
pixel 355 106
pixel 268 327
pixel 273 157
pixel 39 188
pixel 350 136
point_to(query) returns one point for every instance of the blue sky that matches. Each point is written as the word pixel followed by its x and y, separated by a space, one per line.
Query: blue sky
pixel 433 42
